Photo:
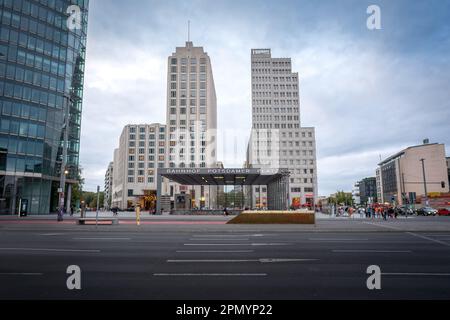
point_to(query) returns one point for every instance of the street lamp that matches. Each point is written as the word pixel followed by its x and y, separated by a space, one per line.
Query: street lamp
pixel 424 181
pixel 64 171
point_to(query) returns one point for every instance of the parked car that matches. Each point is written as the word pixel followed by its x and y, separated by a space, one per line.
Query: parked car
pixel 405 210
pixel 444 211
pixel 427 211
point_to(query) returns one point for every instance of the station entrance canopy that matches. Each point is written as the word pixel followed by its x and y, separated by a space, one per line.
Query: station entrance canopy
pixel 277 181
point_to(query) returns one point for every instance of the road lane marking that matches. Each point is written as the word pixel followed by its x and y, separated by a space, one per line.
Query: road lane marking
pixel 337 239
pixel 428 238
pixel 415 274
pixel 51 250
pixel 101 238
pixel 375 251
pixel 240 239
pixel 264 260
pixel 382 225
pixel 51 234
pixel 232 235
pixel 214 251
pixel 210 274
pixel 237 244
pixel 20 274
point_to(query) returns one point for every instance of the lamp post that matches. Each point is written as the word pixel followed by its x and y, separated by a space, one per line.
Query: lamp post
pixel 424 181
pixel 64 171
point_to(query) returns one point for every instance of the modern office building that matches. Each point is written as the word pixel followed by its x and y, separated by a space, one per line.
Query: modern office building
pixel 191 117
pixel 406 174
pixel 355 194
pixel 278 139
pixel 368 190
pixel 42 59
pixel 142 149
pixel 108 186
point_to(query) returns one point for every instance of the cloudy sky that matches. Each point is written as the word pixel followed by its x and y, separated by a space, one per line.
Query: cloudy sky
pixel 368 93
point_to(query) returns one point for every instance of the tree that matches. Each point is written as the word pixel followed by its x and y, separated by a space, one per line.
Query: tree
pixel 77 188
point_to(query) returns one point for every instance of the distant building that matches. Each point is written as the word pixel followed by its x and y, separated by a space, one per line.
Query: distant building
pixel 368 190
pixel 108 186
pixel 400 177
pixel 355 194
pixel 448 171
pixel 142 149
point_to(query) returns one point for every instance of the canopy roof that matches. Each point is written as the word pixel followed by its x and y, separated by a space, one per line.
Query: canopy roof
pixel 220 176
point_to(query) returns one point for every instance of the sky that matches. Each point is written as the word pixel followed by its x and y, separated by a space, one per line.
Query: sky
pixel 368 93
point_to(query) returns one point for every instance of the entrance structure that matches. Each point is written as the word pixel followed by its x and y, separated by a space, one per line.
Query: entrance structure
pixel 276 180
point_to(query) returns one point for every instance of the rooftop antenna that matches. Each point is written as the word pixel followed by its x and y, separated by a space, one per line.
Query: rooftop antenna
pixel 189 30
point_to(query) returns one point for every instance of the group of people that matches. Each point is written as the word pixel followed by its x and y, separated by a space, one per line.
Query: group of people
pixel 371 212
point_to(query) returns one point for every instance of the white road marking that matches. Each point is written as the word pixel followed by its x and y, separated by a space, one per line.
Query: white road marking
pixel 210 274
pixel 213 251
pixel 52 250
pixel 51 234
pixel 375 251
pixel 101 238
pixel 265 260
pixel 415 274
pixel 231 235
pixel 236 244
pixel 20 274
pixel 240 239
pixel 428 238
pixel 382 225
pixel 337 239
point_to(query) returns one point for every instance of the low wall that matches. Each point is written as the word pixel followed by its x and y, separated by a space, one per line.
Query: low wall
pixel 275 217
pixel 203 212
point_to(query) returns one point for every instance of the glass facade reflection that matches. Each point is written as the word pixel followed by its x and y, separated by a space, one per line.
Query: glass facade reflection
pixel 42 59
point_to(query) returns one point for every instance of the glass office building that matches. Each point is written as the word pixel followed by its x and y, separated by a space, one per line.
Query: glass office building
pixel 42 58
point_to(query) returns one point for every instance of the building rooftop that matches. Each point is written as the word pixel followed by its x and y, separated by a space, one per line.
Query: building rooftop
pixel 398 154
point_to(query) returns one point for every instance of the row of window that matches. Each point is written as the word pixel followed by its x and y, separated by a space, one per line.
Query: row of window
pixel 19 164
pixel 184 78
pixel 268 86
pixel 192 85
pixel 266 102
pixel 26 93
pixel 192 94
pixel 33 43
pixel 22 128
pixel 268 63
pixel 184 69
pixel 184 61
pixel 265 94
pixel 15 145
pixel 42 13
pixel 132 136
pixel 143 129
pixel 33 78
pixel 276 126
pixel 21 110
pixel 272 71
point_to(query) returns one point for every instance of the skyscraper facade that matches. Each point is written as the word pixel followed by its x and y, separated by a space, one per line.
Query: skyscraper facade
pixel 191 114
pixel 278 139
pixel 42 59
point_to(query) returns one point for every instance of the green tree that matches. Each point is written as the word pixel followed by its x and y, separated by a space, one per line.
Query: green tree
pixel 77 188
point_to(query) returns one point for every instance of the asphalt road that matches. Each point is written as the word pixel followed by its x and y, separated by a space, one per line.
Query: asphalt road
pixel 227 261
